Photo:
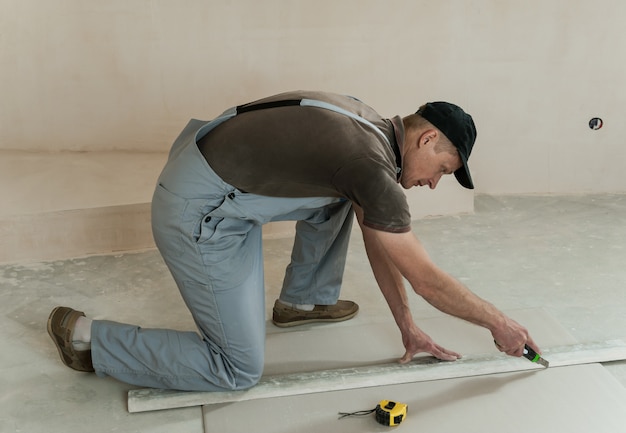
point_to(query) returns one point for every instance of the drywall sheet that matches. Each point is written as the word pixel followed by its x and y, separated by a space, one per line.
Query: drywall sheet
pixel 575 399
pixel 355 343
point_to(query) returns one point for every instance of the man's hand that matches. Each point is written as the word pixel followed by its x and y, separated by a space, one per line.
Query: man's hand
pixel 511 337
pixel 417 341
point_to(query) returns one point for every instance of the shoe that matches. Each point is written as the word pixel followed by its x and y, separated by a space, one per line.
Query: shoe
pixel 60 328
pixel 285 316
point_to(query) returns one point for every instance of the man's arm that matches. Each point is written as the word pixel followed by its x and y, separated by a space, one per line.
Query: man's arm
pixel 396 255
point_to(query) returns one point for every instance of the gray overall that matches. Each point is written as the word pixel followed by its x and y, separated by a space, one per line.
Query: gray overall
pixel 209 234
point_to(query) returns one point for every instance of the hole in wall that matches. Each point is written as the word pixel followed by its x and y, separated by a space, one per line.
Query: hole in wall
pixel 596 123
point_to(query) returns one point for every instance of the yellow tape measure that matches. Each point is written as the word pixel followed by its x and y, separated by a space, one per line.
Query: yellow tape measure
pixel 387 412
pixel 390 413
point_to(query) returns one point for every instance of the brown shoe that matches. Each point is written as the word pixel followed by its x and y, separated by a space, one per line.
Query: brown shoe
pixel 286 316
pixel 61 327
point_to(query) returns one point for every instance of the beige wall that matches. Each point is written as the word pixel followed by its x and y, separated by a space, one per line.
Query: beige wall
pixel 126 75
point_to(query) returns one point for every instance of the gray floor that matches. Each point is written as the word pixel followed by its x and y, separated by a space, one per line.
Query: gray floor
pixel 563 254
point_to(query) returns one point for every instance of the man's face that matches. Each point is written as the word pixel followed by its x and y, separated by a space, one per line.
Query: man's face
pixel 422 165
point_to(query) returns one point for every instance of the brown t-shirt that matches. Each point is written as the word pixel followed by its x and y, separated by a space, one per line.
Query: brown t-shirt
pixel 297 151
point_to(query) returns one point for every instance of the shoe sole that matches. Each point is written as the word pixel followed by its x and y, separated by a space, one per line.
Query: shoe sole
pixel 307 321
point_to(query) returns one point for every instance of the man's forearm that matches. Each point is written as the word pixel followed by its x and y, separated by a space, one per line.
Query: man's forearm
pixel 390 281
pixel 437 287
pixel 387 275
pixel 449 295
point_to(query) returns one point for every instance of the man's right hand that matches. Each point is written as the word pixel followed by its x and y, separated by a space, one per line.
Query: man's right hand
pixel 511 337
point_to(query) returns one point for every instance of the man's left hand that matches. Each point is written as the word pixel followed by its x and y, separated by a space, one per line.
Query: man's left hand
pixel 417 341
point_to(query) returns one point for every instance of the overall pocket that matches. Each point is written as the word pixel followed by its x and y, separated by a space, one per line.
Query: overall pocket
pixel 230 249
pixel 167 221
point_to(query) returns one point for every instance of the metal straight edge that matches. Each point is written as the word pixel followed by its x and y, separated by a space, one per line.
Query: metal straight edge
pixel 421 370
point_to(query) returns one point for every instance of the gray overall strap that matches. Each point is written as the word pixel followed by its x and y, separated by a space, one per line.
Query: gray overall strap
pixel 310 103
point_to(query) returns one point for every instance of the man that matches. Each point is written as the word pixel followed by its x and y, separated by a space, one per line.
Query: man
pixel 312 157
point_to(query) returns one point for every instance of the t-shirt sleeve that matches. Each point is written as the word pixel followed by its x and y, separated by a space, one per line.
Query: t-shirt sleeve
pixel 372 186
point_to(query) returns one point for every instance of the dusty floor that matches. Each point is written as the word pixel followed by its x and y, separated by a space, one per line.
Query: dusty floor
pixel 563 254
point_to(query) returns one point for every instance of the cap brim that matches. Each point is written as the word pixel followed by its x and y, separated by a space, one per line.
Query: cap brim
pixel 463 174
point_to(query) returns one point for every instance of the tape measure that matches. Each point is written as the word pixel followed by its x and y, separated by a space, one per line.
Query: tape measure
pixel 388 413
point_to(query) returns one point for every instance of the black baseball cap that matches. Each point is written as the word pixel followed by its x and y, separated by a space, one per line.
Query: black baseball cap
pixel 458 127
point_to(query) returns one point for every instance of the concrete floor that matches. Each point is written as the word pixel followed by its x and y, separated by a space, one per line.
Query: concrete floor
pixel 563 254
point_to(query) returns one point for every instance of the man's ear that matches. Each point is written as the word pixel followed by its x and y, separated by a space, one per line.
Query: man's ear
pixel 427 137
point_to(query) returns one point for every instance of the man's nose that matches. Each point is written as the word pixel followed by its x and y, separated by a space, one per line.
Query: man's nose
pixel 434 181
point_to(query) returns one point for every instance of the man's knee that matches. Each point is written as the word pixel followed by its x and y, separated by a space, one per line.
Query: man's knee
pixel 248 378
pixel 229 379
pixel 245 374
pixel 242 377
